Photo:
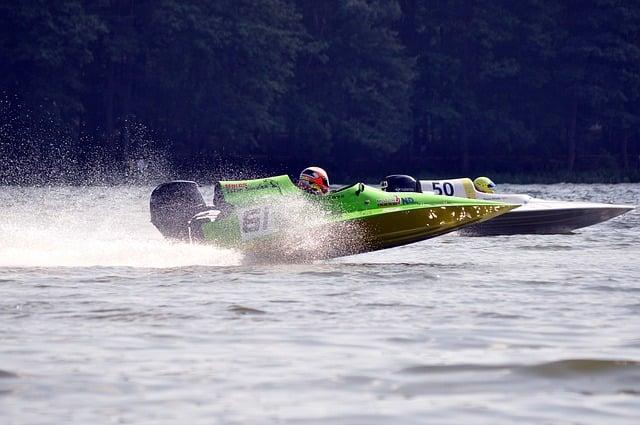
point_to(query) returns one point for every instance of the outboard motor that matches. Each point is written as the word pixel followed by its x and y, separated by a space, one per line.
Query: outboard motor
pixel 400 183
pixel 172 206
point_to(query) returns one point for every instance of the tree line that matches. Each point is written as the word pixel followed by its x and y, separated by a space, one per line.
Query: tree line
pixel 357 86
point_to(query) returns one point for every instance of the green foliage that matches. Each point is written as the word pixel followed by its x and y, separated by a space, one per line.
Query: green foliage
pixel 514 86
pixel 353 80
pixel 525 77
pixel 43 49
pixel 219 67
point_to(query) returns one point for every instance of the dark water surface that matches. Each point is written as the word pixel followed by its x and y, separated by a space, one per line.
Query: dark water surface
pixel 101 321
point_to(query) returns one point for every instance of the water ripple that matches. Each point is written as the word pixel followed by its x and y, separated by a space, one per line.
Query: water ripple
pixel 106 322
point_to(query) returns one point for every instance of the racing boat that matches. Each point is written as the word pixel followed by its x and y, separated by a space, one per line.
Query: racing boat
pixel 271 217
pixel 533 216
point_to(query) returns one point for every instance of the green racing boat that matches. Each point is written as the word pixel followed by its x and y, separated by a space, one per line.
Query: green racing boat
pixel 272 218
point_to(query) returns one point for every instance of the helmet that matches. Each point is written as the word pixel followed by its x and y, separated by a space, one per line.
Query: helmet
pixel 484 184
pixel 400 183
pixel 314 180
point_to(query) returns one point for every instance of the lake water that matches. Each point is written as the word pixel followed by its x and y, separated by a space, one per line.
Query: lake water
pixel 102 321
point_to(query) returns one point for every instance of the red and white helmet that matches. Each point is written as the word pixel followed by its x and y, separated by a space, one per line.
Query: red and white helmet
pixel 314 180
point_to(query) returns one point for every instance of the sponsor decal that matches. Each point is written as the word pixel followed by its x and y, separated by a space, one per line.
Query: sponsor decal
pixel 234 187
pixel 408 200
pixel 272 184
pixel 389 201
pixel 260 187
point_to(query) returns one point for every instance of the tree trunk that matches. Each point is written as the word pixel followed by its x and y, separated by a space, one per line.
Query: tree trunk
pixel 572 119
pixel 624 149
pixel 464 149
pixel 468 81
pixel 110 99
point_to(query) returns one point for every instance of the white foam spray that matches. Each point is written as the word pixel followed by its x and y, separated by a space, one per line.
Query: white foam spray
pixel 91 226
pixel 302 230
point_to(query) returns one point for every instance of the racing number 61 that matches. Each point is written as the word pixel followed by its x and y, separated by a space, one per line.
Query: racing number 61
pixel 255 219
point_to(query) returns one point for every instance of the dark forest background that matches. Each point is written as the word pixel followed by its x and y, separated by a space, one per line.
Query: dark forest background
pixel 527 89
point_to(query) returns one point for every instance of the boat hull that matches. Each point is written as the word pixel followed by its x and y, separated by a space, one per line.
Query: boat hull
pixel 404 227
pixel 547 217
pixel 372 232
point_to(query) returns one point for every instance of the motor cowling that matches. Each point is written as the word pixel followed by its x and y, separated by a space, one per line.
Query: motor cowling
pixel 400 183
pixel 172 206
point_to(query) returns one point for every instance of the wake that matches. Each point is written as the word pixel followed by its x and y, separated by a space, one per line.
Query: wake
pixel 91 226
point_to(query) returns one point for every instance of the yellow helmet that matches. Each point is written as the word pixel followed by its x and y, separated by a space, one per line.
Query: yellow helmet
pixel 484 184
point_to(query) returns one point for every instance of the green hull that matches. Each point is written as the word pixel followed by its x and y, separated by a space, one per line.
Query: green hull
pixel 273 218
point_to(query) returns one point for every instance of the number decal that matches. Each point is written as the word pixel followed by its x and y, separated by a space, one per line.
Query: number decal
pixel 448 188
pixel 445 189
pixel 251 220
pixel 255 222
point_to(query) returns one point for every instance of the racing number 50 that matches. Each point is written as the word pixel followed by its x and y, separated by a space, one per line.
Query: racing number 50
pixel 445 189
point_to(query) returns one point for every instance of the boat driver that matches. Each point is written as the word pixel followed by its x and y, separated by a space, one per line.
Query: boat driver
pixel 314 180
pixel 484 185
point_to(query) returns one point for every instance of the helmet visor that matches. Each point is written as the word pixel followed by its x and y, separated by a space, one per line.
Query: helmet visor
pixel 317 184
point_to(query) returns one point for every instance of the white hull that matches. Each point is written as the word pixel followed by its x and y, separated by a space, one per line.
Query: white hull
pixel 541 216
